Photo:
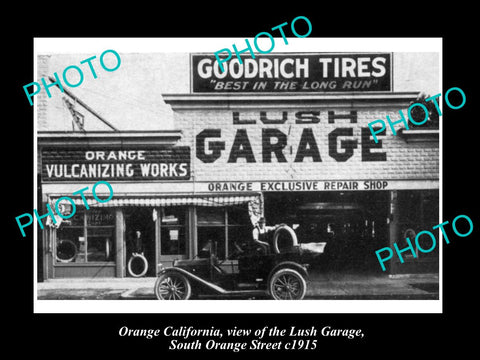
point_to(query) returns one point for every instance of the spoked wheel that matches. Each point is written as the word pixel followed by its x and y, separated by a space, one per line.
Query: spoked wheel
pixel 172 286
pixel 287 284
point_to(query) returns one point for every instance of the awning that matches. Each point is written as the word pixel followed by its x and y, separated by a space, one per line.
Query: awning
pixel 198 200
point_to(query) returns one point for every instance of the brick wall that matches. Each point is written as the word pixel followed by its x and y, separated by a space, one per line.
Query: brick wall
pixel 41 98
pixel 404 161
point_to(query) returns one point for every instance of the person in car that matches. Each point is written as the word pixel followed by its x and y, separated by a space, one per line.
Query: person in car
pixel 260 232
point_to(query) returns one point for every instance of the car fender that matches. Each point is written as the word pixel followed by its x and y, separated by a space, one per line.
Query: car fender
pixel 289 265
pixel 194 279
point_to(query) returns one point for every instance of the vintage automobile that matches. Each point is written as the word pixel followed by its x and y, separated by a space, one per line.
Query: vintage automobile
pixel 279 272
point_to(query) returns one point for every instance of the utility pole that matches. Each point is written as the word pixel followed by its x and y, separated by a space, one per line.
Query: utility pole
pixel 77 100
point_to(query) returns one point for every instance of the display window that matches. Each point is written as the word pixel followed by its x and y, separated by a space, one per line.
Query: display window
pixel 223 227
pixel 87 237
pixel 173 232
pixel 418 211
pixel 350 224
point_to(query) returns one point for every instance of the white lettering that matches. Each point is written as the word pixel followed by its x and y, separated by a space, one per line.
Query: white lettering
pixel 380 67
pixel 204 71
pixel 75 166
pixel 145 168
pixel 130 171
pixel 183 169
pixel 111 156
pixel 50 170
pixel 89 155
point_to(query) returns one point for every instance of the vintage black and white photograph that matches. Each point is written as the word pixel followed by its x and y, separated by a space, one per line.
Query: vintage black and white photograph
pixel 180 169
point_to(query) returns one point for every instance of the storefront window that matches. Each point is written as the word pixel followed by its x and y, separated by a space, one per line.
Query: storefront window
pixel 89 236
pixel 173 230
pixel 211 229
pixel 223 227
pixel 239 228
pixel 418 211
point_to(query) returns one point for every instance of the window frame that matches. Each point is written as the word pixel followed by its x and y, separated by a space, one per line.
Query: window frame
pixel 225 224
pixel 184 226
pixel 85 229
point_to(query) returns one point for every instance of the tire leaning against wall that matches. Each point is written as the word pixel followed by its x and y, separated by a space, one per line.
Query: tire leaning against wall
pixel 72 246
pixel 129 265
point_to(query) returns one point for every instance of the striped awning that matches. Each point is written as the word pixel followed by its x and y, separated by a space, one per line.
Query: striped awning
pixel 160 201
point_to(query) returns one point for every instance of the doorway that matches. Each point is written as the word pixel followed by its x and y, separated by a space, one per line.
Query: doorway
pixel 139 239
pixel 174 232
pixel 353 225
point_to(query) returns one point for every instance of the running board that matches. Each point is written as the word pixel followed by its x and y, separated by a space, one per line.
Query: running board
pixel 216 288
pixel 242 293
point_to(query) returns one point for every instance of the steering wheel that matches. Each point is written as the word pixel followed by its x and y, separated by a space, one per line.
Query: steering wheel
pixel 237 251
pixel 262 249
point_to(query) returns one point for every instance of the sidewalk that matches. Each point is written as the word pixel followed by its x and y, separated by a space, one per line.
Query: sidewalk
pixel 368 286
pixel 320 286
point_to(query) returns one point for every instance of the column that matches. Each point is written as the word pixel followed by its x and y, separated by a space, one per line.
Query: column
pixel 119 244
pixel 394 229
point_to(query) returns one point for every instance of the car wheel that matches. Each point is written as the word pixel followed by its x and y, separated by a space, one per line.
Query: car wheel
pixel 287 284
pixel 172 286
pixel 137 265
pixel 279 241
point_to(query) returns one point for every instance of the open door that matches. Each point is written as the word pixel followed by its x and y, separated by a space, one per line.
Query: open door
pixel 140 242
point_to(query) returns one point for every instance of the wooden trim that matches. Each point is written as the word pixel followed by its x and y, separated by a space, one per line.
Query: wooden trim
pixel 420 135
pixel 108 138
pixel 282 100
pixel 226 231
pixel 119 244
pixel 158 235
pixel 50 238
pixel 192 232
pixel 393 230
pixel 90 264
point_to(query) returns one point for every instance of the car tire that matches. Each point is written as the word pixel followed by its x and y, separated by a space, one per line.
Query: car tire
pixel 276 235
pixel 172 286
pixel 107 250
pixel 66 251
pixel 287 284
pixel 130 266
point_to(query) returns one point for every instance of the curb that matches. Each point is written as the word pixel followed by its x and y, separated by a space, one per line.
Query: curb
pixel 321 288
pixel 313 294
pixel 128 295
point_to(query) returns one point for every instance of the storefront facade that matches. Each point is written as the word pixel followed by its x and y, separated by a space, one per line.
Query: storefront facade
pixel 318 169
pixel 294 127
pixel 153 194
pixel 303 158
